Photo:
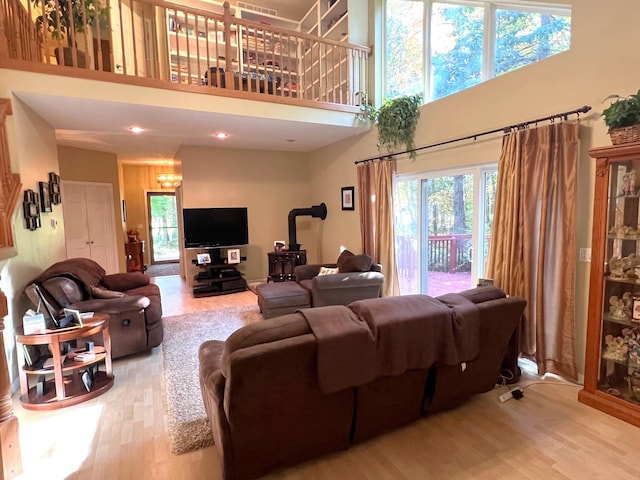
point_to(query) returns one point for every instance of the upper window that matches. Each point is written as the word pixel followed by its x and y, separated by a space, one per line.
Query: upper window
pixel 442 47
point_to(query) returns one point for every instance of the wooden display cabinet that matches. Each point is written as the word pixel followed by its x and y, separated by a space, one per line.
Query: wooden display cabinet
pixel 612 363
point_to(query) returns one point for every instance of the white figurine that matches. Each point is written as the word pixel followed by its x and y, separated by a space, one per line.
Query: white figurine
pixel 629 183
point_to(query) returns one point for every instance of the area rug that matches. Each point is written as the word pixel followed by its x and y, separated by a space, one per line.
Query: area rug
pixel 163 269
pixel 188 425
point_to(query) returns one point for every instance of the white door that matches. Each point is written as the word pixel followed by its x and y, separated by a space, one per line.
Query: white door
pixel 89 223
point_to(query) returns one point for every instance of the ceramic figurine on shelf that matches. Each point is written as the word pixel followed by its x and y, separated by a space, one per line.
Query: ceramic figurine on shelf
pixel 627 302
pixel 616 267
pixel 629 183
pixel 629 264
pixel 615 348
pixel 616 307
pixel 632 341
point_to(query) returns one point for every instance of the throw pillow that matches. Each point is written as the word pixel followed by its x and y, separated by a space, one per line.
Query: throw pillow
pixel 327 271
pixel 346 254
pixel 356 263
pixel 103 293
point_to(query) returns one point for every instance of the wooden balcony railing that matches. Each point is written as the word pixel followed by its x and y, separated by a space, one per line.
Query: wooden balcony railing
pixel 207 51
pixel 445 253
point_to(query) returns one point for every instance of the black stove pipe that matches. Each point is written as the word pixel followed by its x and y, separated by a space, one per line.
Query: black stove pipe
pixel 317 211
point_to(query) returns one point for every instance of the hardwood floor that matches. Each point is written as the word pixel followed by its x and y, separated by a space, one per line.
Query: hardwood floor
pixel 122 435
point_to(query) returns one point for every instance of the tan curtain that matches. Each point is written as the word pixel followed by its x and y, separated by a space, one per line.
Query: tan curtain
pixel 375 195
pixel 532 250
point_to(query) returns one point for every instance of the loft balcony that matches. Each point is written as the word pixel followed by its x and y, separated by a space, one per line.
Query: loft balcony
pixel 167 46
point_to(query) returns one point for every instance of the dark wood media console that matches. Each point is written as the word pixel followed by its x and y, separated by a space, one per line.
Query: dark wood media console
pixel 218 277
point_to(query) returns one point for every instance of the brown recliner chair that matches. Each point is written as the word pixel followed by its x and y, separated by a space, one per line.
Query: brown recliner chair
pixel 132 302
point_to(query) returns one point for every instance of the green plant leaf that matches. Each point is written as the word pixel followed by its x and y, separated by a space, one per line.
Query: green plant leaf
pixel 396 120
pixel 623 112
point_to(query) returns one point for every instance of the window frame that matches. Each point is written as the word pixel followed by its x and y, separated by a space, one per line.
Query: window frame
pixel 478 170
pixel 489 39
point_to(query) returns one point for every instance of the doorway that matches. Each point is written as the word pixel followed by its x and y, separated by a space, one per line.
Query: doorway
pixel 163 223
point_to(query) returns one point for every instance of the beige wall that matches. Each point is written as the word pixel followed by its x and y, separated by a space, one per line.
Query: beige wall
pixel 32 148
pixel 270 184
pixel 80 165
pixel 597 65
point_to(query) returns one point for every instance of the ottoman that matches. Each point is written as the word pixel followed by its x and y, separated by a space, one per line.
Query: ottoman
pixel 281 298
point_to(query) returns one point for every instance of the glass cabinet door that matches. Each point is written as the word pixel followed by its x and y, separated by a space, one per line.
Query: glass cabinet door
pixel 619 373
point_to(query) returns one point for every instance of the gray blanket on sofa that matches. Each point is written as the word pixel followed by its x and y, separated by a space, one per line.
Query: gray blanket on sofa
pixel 377 337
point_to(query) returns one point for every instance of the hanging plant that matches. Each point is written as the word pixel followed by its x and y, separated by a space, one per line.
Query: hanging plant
pixel 396 120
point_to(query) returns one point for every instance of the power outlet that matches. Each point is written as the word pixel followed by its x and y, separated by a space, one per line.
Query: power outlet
pixel 510 394
pixel 585 255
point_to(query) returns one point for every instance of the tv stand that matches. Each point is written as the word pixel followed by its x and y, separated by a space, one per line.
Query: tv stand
pixel 218 277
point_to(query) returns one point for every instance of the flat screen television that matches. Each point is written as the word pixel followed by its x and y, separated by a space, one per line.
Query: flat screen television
pixel 215 227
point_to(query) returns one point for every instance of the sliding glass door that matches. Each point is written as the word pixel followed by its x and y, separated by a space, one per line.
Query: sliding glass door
pixel 442 223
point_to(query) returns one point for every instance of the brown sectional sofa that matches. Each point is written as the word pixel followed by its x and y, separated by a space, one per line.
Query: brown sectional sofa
pixel 302 385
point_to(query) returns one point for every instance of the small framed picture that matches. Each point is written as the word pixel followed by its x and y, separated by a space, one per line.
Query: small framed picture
pixel 278 245
pixel 70 312
pixel 347 198
pixel 635 311
pixel 45 197
pixel 54 188
pixel 233 255
pixel 203 258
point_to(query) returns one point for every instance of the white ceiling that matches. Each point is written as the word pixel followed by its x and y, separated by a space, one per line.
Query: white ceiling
pixel 101 125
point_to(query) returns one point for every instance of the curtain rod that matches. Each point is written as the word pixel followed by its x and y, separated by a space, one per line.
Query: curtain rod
pixel 505 130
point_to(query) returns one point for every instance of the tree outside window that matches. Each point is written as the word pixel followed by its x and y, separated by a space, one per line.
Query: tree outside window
pixel 459 34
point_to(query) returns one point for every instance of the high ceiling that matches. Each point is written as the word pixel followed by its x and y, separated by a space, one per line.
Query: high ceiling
pixel 287 8
pixel 104 126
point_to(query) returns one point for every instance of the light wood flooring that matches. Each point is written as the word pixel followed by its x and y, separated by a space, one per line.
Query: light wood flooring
pixel 122 435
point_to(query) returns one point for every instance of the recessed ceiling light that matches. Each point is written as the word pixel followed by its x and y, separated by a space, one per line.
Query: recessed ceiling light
pixel 136 129
pixel 221 135
pixel 291 140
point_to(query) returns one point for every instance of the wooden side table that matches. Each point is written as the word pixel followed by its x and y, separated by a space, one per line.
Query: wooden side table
pixel 66 387
pixel 135 256
pixel 281 264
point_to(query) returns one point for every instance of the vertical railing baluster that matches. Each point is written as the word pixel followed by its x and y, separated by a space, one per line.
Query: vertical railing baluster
pixel 228 73
pixel 279 61
pixel 197 35
pixel 98 50
pixel 208 71
pixel 122 44
pixel 133 34
pixel 85 32
pixel 145 46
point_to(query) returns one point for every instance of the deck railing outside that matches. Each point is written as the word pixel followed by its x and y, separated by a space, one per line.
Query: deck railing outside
pixel 445 253
pixel 172 43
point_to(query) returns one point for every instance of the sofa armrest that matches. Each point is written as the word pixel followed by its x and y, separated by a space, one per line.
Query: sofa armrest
pixel 307 272
pixel 112 305
pixel 125 281
pixel 347 280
